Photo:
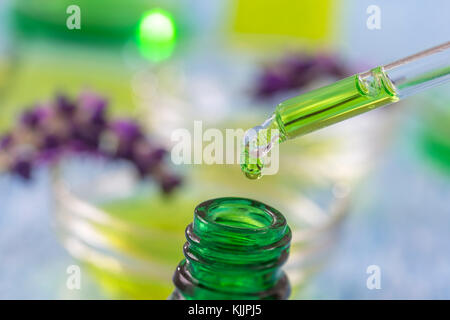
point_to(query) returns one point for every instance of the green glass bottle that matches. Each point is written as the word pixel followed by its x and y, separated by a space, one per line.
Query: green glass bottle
pixel 235 249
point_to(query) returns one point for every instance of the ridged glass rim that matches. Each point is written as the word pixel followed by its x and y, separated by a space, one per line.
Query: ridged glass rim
pixel 277 219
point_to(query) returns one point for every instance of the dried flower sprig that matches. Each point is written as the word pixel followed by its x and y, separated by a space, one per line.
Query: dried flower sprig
pixel 296 72
pixel 46 133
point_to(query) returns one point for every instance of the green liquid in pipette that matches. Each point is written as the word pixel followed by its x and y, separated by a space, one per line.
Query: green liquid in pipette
pixel 317 109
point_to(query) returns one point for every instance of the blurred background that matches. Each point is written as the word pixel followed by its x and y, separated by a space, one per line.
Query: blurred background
pixel 373 190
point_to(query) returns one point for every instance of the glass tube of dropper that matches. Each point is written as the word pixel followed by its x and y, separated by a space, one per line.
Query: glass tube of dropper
pixel 344 99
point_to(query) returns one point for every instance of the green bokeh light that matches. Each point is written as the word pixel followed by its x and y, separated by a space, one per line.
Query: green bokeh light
pixel 157 35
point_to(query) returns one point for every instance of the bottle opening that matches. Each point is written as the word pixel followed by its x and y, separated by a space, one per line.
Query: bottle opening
pixel 239 213
pixel 241 216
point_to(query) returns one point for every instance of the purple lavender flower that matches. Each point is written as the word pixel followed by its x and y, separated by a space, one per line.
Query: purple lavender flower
pixel 330 65
pixel 6 141
pixel 48 156
pixel 296 72
pixel 51 141
pixel 271 82
pixel 64 106
pixel 78 146
pixel 87 135
pixel 128 134
pixel 34 117
pixel 22 167
pixel 79 126
pixel 297 64
pixel 169 183
pixel 147 161
pixel 91 100
pixel 127 130
pixel 94 106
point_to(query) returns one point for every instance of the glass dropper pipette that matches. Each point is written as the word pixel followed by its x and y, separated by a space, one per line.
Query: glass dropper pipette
pixel 342 100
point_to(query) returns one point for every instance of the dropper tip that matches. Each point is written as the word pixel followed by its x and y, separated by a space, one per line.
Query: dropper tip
pixel 257 143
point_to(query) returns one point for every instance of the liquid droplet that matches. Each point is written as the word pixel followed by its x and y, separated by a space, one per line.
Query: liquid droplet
pixel 257 143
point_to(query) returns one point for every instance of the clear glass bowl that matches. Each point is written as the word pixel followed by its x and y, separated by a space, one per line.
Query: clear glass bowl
pixel 130 237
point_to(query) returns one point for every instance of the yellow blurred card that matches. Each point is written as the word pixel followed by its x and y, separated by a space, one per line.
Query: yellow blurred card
pixel 308 20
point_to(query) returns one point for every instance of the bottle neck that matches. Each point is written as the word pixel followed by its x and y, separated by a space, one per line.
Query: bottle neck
pixel 235 249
